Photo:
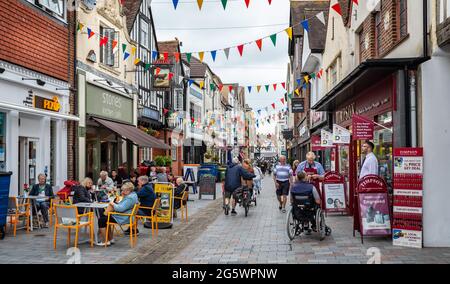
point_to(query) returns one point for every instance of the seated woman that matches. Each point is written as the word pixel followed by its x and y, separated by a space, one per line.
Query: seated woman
pixel 116 178
pixel 126 205
pixel 179 190
pixel 83 193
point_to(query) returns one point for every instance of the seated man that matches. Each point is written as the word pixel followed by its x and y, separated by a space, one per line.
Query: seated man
pixel 43 190
pixel 304 188
pixel 126 205
pixel 179 190
pixel 146 195
pixel 105 182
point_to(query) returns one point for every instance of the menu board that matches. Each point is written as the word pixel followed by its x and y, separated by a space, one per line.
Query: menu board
pixel 165 193
pixel 408 195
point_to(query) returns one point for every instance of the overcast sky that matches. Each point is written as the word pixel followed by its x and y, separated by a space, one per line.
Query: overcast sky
pixel 214 28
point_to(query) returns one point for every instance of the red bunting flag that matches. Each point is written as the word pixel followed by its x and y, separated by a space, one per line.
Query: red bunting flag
pixel 273 105
pixel 103 41
pixel 283 85
pixel 356 2
pixel 170 76
pixel 274 87
pixel 337 8
pixel 165 111
pixel 220 87
pixel 270 2
pixel 166 56
pixel 282 100
pixel 157 71
pixel 241 49
pixel 114 44
pixel 230 88
pixel 259 44
pixel 247 2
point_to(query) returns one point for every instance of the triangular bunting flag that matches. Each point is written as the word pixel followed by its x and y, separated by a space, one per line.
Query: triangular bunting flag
pixel 147 66
pixel 321 17
pixel 190 82
pixel 356 2
pixel 157 71
pixel 267 88
pixel 188 57
pixel 80 27
pixel 213 55
pixel 180 80
pixel 305 25
pixel 230 88
pixel 114 46
pixel 270 2
pixel 126 55
pixel 224 4
pixel 166 56
pixel 124 47
pixel 227 52
pixel 212 86
pixel 249 89
pixel 220 87
pixel 175 3
pixel 200 4
pixel 90 33
pixel 201 54
pixel 337 8
pixel 240 49
pixel 274 87
pixel 247 2
pixel 297 92
pixel 202 84
pixel 133 50
pixel 299 82
pixel 313 76
pixel 170 76
pixel 290 96
pixel 274 39
pixel 258 88
pixel 177 56
pixel 137 61
pixel 165 111
pixel 283 85
pixel 103 41
pixel 154 55
pixel 282 100
pixel 306 79
pixel 273 105
pixel 289 32
pixel 259 44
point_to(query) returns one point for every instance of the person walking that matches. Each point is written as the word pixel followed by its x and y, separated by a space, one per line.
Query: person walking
pixel 282 176
pixel 258 179
pixel 235 172
pixel 369 165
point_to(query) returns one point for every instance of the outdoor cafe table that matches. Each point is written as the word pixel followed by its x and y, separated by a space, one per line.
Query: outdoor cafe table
pixel 95 207
pixel 33 199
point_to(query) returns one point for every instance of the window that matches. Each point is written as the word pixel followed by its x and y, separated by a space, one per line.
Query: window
pixel 378 32
pixel 2 141
pixel 402 18
pixel 108 54
pixel 56 8
pixel 178 102
pixel 144 38
pixel 443 22
pixel 443 11
pixel 362 45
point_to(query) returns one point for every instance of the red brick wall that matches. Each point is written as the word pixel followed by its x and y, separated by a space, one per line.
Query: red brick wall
pixel 368 28
pixel 32 39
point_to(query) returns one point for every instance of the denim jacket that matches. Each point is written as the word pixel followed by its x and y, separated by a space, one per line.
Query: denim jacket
pixel 125 206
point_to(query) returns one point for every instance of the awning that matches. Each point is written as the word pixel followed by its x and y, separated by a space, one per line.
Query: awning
pixel 365 75
pixel 133 134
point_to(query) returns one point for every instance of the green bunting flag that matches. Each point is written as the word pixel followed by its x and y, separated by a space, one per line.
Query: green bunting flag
pixel 274 39
pixel 188 57
pixel 267 88
pixel 224 4
pixel 124 47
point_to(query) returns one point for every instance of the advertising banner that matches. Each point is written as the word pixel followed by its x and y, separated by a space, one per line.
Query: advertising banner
pixel 374 214
pixel 334 197
pixel 341 135
pixel 362 128
pixel 326 138
pixel 408 197
pixel 165 193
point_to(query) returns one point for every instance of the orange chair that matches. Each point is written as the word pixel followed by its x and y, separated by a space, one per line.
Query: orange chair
pixel 132 224
pixel 51 209
pixel 67 217
pixel 183 204
pixel 153 216
pixel 18 210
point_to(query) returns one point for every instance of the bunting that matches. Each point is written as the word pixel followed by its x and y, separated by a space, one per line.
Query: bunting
pixel 200 4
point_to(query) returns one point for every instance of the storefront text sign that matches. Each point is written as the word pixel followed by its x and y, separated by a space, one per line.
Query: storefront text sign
pixel 47 104
pixel 340 135
pixel 362 128
pixel 104 103
pixel 316 143
pixel 408 197
pixel 298 105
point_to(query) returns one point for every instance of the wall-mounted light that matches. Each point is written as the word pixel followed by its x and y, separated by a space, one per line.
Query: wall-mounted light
pixel 104 80
pixel 38 81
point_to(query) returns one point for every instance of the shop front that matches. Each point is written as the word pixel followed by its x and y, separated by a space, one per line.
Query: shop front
pixel 34 110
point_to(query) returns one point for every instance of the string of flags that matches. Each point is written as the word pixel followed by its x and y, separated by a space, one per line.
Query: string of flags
pixel 224 3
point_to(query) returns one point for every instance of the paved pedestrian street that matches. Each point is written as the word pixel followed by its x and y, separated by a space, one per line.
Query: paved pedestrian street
pixel 262 238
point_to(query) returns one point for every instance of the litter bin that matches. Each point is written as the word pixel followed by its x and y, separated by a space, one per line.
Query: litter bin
pixel 5 179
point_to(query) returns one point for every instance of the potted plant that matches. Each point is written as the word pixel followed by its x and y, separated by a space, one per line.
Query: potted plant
pixel 160 161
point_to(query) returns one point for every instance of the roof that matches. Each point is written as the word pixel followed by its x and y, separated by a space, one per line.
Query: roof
pixel 198 69
pixel 301 10
pixel 317 34
pixel 171 46
pixel 131 8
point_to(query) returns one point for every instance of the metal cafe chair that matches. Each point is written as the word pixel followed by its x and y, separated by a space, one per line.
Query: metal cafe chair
pixel 17 211
pixel 67 217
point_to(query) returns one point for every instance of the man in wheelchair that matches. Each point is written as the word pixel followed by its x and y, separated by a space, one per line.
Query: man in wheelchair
pixel 305 200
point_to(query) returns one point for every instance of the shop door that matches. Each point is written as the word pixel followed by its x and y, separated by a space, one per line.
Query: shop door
pixel 27 162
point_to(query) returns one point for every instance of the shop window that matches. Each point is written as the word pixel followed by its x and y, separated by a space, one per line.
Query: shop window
pixel 383 140
pixel 2 141
pixel 56 8
pixel 108 54
pixel 402 20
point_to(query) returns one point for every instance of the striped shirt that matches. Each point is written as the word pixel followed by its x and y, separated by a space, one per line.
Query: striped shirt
pixel 282 172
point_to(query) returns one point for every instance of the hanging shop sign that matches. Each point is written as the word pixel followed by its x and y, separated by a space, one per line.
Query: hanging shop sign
pixel 341 135
pixel 47 104
pixel 362 128
pixel 333 193
pixel 408 197
pixel 326 139
pixel 161 77
pixel 298 105
pixel 373 211
pixel 165 193
pixel 103 103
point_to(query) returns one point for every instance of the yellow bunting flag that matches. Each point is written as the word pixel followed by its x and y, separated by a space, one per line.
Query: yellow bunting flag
pixel 200 4
pixel 306 79
pixel 133 50
pixel 258 88
pixel 137 61
pixel 297 92
pixel 201 55
pixel 202 83
pixel 289 32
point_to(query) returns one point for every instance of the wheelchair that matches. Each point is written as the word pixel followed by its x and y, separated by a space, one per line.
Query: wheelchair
pixel 304 212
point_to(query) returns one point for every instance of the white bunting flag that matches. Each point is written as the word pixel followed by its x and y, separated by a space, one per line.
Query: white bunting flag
pixel 321 17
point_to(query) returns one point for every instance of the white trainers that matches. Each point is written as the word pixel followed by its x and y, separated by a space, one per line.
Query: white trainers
pixel 102 244
pixel 113 241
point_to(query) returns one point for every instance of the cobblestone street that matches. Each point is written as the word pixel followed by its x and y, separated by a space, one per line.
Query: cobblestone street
pixel 262 238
